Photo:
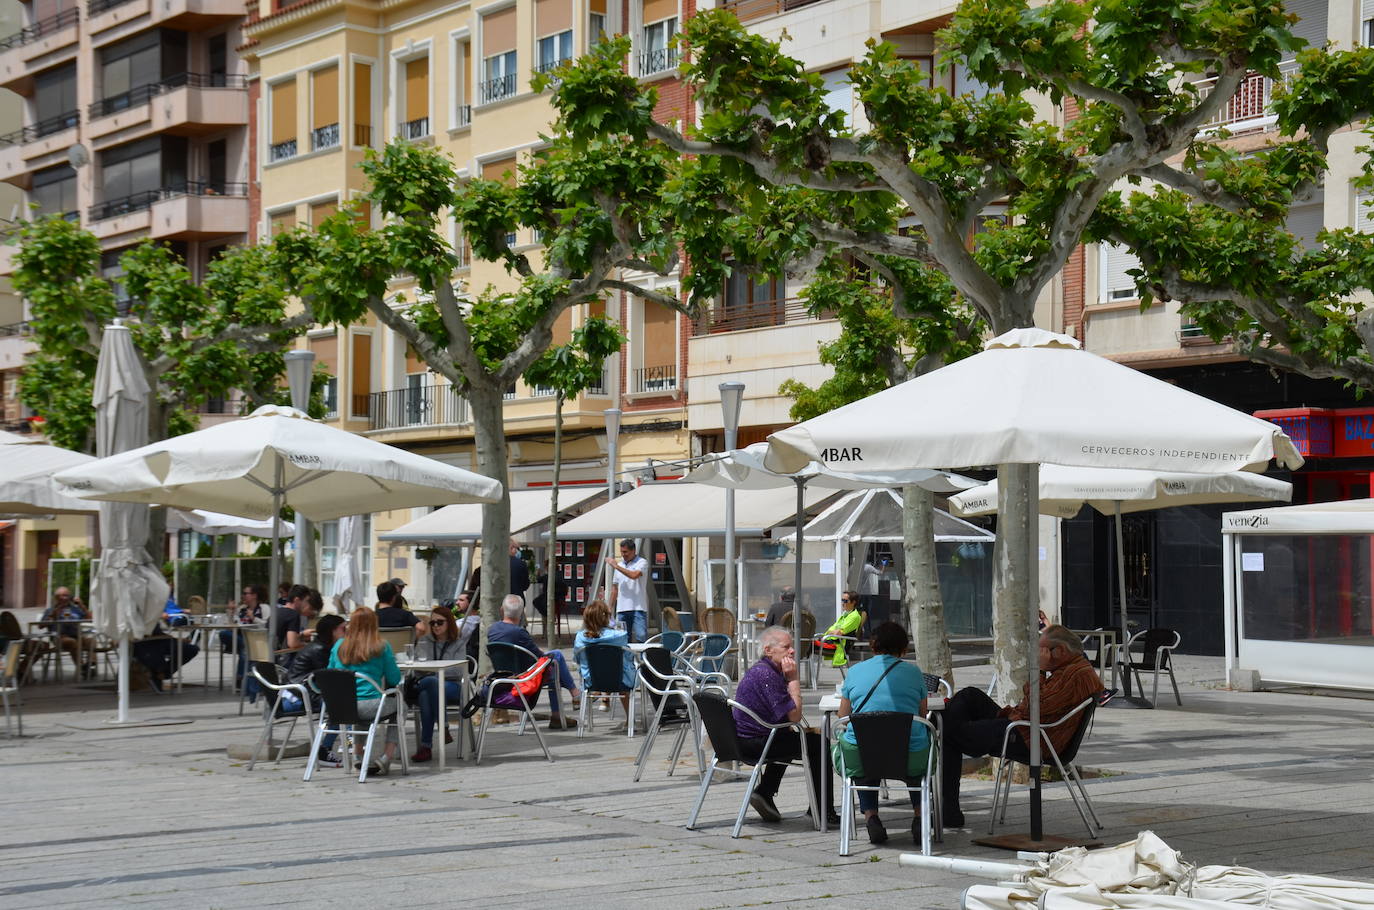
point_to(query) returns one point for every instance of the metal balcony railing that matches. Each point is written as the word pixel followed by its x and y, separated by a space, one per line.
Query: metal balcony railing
pixel 280 151
pixel 655 379
pixel 749 10
pixel 35 131
pixel 1251 107
pixel 431 405
pixel 144 93
pixel 464 116
pixel 32 33
pixel 94 7
pixel 415 129
pixel 15 329
pixel 137 202
pixel 754 314
pixel 324 137
pixel 658 60
pixel 548 66
pixel 498 88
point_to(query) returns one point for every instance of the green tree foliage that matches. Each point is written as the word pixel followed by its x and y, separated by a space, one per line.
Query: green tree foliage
pixel 195 341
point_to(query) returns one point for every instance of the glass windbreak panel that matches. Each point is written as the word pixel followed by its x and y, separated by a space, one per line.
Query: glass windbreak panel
pixel 1308 588
pixel 966 586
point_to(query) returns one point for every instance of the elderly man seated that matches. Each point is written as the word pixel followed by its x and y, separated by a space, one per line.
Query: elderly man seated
pixel 976 725
pixel 69 637
pixel 771 689
pixel 510 631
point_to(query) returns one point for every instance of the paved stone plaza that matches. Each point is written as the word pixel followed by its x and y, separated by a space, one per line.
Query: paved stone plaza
pixel 157 815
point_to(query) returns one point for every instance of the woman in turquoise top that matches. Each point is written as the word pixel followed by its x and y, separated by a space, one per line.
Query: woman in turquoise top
pixel 596 620
pixel 362 650
pixel 885 682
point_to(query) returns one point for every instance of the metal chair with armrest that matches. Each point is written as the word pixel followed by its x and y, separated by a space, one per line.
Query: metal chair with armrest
pixel 272 678
pixel 883 738
pixel 671 695
pixel 1014 750
pixel 606 663
pixel 1156 653
pixel 519 663
pixel 341 716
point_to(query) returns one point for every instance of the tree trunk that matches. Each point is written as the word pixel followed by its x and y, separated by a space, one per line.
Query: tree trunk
pixel 307 569
pixel 489 431
pixel 1013 572
pixel 551 585
pixel 925 609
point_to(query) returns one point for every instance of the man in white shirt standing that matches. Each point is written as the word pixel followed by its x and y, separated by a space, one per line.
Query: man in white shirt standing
pixel 627 591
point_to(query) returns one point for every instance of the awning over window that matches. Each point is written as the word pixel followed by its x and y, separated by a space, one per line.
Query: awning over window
pixel 689 510
pixel 462 523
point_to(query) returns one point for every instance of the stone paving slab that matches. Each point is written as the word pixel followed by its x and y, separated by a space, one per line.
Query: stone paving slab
pixel 158 816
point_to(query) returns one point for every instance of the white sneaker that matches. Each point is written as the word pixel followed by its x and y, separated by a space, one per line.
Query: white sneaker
pixel 380 768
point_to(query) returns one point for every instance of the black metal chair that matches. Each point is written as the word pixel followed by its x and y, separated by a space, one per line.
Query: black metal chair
pixel 1014 750
pixel 883 738
pixel 606 664
pixel 1156 650
pixel 339 690
pixel 938 685
pixel 718 717
pixel 272 678
pixel 517 663
pixel 671 696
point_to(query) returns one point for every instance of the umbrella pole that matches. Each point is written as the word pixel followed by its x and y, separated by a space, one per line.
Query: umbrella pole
pixel 1121 592
pixel 123 716
pixel 797 571
pixel 274 567
pixel 1033 668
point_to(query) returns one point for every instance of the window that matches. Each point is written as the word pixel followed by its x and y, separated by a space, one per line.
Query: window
pixel 133 175
pixel 281 222
pixel 596 21
pixel 839 94
pixel 416 122
pixel 128 70
pixel 499 77
pixel 54 101
pixel 554 51
pixel 324 108
pixel 461 112
pixel 1366 36
pixel 657 350
pixel 283 138
pixel 319 211
pixel 1113 263
pixel 655 56
pixel 1364 214
pixel 499 43
pixel 362 211
pixel 502 171
pixel 360 373
pixel 326 350
pixel 329 559
pixel 362 104
pixel 54 191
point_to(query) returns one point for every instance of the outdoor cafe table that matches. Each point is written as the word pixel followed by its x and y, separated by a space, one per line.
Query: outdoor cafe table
pixel 1106 650
pixel 439 666
pixel 51 629
pixel 829 707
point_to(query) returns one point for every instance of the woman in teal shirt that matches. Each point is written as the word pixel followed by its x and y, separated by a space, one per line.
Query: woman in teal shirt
pixel 885 682
pixel 362 650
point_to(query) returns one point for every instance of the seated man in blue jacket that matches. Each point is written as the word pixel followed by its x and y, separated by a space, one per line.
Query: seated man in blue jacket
pixel 510 631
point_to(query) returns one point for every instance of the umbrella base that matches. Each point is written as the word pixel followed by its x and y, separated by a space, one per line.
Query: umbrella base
pixel 1047 843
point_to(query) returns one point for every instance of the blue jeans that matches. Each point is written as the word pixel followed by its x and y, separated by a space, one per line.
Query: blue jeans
pixel 564 679
pixel 636 622
pixel 429 704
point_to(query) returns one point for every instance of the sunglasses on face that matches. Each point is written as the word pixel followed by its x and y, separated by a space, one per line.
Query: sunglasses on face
pixel 437 622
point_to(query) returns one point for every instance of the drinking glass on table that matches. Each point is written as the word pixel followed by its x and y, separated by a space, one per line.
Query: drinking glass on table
pixel 410 653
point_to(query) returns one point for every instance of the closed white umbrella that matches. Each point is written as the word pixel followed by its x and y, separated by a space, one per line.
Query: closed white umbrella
pixel 277 456
pixel 1114 491
pixel 347 575
pixel 128 592
pixel 1031 397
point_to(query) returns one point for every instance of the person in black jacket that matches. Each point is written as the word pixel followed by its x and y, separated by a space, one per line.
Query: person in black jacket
pixel 315 656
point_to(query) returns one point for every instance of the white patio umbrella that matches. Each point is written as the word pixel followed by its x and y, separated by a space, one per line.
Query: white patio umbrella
pixel 277 456
pixel 1114 491
pixel 26 488
pixel 347 577
pixel 128 591
pixel 216 523
pixel 744 469
pixel 1030 397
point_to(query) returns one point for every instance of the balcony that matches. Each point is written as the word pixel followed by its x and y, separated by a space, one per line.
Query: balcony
pixel 654 379
pixel 324 137
pixel 749 10
pixel 1250 108
pixel 497 89
pixel 35 46
pixel 16 341
pixel 548 66
pixel 463 116
pixel 415 129
pixel 190 210
pixel 753 314
pixel 659 60
pixel 37 145
pixel 187 104
pixel 281 151
pixel 104 18
pixel 431 405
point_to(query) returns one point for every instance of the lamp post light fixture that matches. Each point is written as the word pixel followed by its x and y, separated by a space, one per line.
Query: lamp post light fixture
pixel 731 399
pixel 299 367
pixel 612 440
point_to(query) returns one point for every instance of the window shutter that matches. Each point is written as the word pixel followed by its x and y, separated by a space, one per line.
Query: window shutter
pixel 552 16
pixel 1303 222
pixel 658 10
pixel 325 88
pixel 1113 261
pixel 362 94
pixel 417 89
pixel 1311 24
pixel 284 112
pixel 498 32
pixel 1364 215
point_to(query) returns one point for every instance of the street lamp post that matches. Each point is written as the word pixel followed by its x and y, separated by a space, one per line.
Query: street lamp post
pixel 731 398
pixel 612 441
pixel 300 365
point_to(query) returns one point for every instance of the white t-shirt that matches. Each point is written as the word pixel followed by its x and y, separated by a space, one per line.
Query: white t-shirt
pixel 869 584
pixel 630 591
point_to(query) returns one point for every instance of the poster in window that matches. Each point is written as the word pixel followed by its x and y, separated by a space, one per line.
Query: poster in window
pixel 580 596
pixel 581 548
pixel 581 571
pixel 660 559
pixel 567 571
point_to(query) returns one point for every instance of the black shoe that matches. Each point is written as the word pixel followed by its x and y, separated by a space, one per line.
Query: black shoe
pixel 154 683
pixel 764 806
pixel 954 819
pixel 1106 696
pixel 916 832
pixel 877 832
pixel 831 816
